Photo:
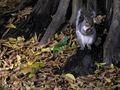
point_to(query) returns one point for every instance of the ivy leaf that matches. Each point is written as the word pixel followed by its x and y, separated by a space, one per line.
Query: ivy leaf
pixel 58 48
pixel 64 41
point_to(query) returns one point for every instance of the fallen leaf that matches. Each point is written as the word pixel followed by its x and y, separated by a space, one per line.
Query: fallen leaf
pixel 70 76
pixel 107 79
pixel 31 75
pixel 10 26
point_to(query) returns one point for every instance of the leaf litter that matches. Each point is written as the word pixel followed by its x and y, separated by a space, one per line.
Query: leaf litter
pixel 25 65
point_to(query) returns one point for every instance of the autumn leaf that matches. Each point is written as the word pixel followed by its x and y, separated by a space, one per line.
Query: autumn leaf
pixel 70 76
pixel 99 65
pixel 37 65
pixel 10 26
pixel 42 51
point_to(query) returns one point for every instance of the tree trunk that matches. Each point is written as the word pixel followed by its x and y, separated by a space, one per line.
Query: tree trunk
pixel 112 44
pixel 36 22
pixel 57 20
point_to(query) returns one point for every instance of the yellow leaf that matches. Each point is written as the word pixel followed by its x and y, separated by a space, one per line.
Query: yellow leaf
pixel 19 39
pixel 25 70
pixel 37 53
pixel 10 26
pixel 108 80
pixel 30 62
pixel 18 57
pixel 112 66
pixel 12 40
pixel 37 65
pixel 27 87
pixel 45 49
pixel 99 65
pixel 70 76
pixel 42 51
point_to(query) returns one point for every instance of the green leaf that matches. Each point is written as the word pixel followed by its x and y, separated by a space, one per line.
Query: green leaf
pixel 31 75
pixel 64 41
pixel 58 48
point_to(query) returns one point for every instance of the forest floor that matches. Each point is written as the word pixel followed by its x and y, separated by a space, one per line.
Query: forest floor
pixel 26 65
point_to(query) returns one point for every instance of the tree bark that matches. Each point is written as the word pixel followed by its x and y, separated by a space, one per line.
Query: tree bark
pixel 75 7
pixel 57 20
pixel 112 44
pixel 39 19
